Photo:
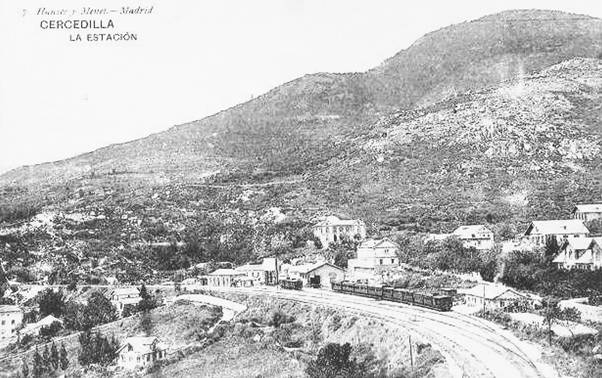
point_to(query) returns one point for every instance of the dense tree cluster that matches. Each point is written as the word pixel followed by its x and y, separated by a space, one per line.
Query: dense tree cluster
pixel 48 363
pixel 98 310
pixel 95 348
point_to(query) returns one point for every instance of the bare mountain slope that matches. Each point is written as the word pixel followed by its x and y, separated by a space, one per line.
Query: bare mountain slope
pixel 300 125
pixel 528 148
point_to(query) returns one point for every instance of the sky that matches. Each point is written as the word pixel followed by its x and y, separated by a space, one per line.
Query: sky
pixel 60 98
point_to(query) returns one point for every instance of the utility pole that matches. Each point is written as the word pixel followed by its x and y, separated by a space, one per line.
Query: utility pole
pixel 411 354
pixel 483 298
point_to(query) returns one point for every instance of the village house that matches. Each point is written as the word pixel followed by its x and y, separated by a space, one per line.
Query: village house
pixel 374 257
pixel 139 352
pixel 11 318
pixel 580 253
pixel 588 212
pixel 494 296
pixel 539 232
pixel 334 229
pixel 124 297
pixel 474 236
pixel 261 274
pixel 317 274
pixel 224 277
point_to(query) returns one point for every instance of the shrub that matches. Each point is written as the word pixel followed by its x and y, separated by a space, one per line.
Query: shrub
pixel 279 318
pixel 51 330
pixel 96 348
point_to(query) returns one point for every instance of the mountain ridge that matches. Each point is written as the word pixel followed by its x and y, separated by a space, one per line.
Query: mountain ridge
pixel 281 130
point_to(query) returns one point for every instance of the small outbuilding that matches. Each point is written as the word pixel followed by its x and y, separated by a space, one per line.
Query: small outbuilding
pixel 224 277
pixel 316 275
pixel 494 297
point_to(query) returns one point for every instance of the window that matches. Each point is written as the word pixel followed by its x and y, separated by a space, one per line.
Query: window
pixel 381 261
pixel 12 321
pixel 3 322
pixel 392 261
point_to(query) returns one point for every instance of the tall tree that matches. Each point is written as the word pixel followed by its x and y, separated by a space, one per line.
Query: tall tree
pixel 24 368
pixel 552 313
pixel 38 364
pixel 64 358
pixel 51 302
pixel 54 357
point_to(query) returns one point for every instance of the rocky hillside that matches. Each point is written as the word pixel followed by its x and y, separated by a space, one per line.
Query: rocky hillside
pixel 527 148
pixel 296 127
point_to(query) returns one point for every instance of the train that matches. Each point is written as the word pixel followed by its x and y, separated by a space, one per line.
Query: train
pixel 433 301
pixel 291 284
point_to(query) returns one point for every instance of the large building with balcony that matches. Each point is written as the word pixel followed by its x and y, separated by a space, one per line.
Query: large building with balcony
pixel 334 230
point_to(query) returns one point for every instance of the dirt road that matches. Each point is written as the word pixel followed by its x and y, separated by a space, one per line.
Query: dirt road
pixel 472 347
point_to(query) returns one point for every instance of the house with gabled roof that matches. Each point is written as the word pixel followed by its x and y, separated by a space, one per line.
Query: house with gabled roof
pixel 580 253
pixel 122 297
pixel 475 236
pixel 539 232
pixel 493 297
pixel 374 257
pixel 138 352
pixel 261 274
pixel 320 274
pixel 587 211
pixel 224 277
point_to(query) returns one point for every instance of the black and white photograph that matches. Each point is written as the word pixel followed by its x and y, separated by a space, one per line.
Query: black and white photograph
pixel 300 189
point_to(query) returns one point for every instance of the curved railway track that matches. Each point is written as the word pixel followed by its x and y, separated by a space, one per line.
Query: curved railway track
pixel 472 347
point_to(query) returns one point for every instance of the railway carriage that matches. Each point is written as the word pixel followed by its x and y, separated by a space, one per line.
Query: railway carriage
pixel 291 284
pixel 375 291
pixel 433 301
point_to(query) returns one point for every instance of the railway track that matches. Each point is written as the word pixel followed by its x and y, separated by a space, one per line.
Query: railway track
pixel 472 347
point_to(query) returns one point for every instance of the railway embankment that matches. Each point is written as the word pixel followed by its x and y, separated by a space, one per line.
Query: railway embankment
pixel 302 329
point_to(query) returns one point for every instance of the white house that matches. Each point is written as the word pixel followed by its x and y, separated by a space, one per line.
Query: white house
pixel 224 277
pixel 124 297
pixel 320 273
pixel 580 253
pixel 475 236
pixel 333 230
pixel 261 274
pixel 538 232
pixel 139 352
pixel 11 318
pixel 374 257
pixel 494 296
pixel 588 212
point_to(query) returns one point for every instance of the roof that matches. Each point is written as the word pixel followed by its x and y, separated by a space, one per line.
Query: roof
pixel 125 291
pixel 578 243
pixel 377 243
pixel 556 227
pixel 588 208
pixel 46 321
pixel 336 221
pixel 226 272
pixel 304 269
pixel 585 258
pixel 469 231
pixel 9 308
pixel 491 291
pixel 140 345
pixel 268 264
